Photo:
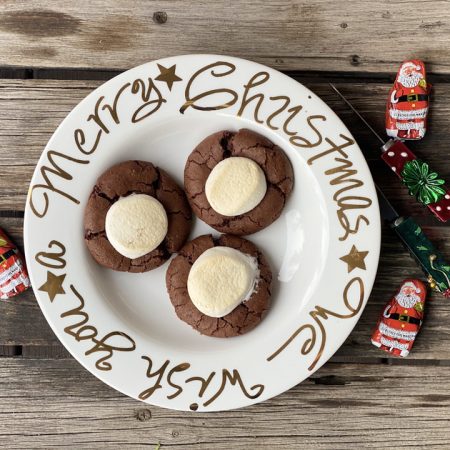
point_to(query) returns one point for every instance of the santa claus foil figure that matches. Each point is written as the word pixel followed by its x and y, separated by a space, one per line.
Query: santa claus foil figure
pixel 407 105
pixel 13 273
pixel 401 319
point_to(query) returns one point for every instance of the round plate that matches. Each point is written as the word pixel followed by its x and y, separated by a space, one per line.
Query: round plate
pixel 323 250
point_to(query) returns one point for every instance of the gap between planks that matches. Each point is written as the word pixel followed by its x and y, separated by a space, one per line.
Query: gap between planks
pixel 356 35
pixel 74 74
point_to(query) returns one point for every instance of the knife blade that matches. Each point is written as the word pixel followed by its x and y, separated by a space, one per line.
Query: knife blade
pixel 429 259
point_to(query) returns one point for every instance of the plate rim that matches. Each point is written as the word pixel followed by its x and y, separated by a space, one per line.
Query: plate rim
pixel 375 230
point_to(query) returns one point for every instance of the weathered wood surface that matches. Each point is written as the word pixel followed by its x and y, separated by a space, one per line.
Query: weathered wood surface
pixel 361 399
pixel 56 403
pixel 358 36
pixel 40 105
pixel 22 323
pixel 30 111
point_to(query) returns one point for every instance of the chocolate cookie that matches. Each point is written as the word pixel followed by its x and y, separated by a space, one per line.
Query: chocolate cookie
pixel 245 316
pixel 245 143
pixel 121 180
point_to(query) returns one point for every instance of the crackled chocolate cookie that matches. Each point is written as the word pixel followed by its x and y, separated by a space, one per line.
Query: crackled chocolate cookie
pixel 220 286
pixel 238 183
pixel 136 217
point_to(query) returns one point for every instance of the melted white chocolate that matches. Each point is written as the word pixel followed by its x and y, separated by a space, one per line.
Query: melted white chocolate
pixel 136 225
pixel 220 279
pixel 235 186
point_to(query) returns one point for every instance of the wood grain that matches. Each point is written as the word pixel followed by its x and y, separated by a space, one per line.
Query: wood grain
pixel 56 403
pixel 361 399
pixel 22 323
pixel 40 105
pixel 318 35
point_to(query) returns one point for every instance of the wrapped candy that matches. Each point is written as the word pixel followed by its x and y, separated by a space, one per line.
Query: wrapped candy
pixel 401 319
pixel 13 273
pixel 425 184
pixel 407 105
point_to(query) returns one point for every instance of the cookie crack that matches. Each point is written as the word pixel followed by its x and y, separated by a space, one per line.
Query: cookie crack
pixel 141 164
pixel 277 184
pixel 127 260
pixel 116 197
pixel 226 143
pixel 214 332
pixel 150 185
pixel 99 193
pixel 232 325
pixel 226 222
pixel 89 234
pixel 186 216
pixel 282 193
pixel 194 196
pixel 157 183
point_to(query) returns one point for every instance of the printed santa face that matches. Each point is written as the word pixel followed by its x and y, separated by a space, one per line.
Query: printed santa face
pixel 408 296
pixel 407 105
pixel 410 74
pixel 401 319
pixel 13 273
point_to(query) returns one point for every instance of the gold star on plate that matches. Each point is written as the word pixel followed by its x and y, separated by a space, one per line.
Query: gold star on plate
pixel 167 75
pixel 355 259
pixel 53 285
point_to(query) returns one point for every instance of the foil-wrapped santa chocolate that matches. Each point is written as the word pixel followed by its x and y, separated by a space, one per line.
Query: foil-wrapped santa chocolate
pixel 407 105
pixel 13 273
pixel 401 319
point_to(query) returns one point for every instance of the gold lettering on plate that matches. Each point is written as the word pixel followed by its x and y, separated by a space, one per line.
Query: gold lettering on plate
pixel 53 285
pixel 143 112
pixel 87 140
pixel 253 98
pixel 319 314
pixel 82 329
pixel 255 80
pixel 158 374
pixel 54 259
pixel 303 132
pixel 56 170
pixel 106 107
pixel 277 112
pixel 191 101
pixel 162 377
pixel 344 175
pixel 286 101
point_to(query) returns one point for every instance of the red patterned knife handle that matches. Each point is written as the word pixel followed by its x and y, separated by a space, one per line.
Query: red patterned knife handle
pixel 420 180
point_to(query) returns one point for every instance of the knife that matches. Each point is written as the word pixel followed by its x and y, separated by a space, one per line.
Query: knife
pixel 420 247
pixel 422 182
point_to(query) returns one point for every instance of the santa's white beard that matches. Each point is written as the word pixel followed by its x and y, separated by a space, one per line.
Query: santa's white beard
pixel 410 81
pixel 407 301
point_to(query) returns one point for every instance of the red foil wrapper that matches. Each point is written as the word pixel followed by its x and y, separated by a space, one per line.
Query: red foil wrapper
pixel 407 105
pixel 13 273
pixel 401 319
pixel 396 155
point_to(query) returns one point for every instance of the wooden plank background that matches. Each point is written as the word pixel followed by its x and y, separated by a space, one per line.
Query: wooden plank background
pixel 350 36
pixel 340 407
pixel 54 53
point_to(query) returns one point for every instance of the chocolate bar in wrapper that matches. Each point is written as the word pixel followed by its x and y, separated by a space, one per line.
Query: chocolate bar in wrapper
pixel 13 273
pixel 401 319
pixel 407 105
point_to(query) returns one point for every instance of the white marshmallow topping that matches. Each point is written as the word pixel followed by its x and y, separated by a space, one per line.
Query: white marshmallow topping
pixel 220 279
pixel 136 225
pixel 235 186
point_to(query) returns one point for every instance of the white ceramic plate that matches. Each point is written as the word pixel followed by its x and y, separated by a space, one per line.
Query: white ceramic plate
pixel 122 326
